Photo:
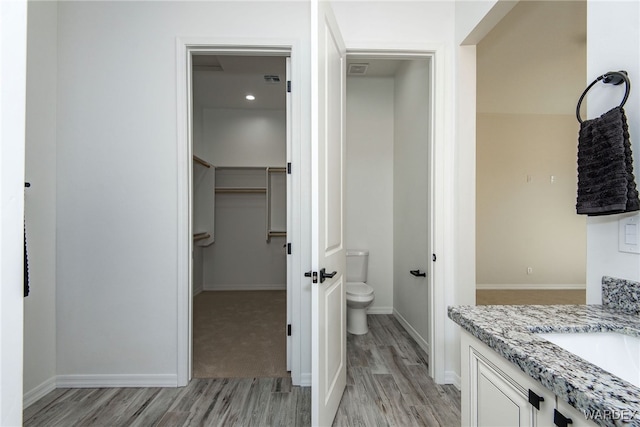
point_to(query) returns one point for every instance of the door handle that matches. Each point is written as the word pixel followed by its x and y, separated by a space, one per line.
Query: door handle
pixel 324 275
pixel 418 273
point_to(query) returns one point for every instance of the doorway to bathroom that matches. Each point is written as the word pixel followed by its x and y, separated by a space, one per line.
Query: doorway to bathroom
pixel 239 129
pixel 389 197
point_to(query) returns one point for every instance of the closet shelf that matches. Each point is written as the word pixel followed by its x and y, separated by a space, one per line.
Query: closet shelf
pixel 277 234
pixel 202 162
pixel 241 190
pixel 201 236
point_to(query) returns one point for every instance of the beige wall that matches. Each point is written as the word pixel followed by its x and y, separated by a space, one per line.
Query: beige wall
pixel 531 71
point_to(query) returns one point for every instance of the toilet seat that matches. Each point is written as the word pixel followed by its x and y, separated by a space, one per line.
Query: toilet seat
pixel 358 289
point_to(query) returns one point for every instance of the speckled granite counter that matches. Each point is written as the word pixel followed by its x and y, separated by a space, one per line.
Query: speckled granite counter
pixel 511 331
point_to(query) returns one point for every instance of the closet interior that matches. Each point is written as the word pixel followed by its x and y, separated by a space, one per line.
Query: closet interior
pixel 239 197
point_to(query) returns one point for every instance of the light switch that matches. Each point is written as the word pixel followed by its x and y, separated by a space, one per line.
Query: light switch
pixel 629 234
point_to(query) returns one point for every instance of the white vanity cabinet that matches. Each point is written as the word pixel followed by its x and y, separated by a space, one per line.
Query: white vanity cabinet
pixel 496 393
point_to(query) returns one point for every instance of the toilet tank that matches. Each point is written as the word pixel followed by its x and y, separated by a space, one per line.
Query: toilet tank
pixel 357 264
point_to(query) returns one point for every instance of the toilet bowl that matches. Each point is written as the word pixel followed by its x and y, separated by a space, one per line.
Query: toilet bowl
pixel 359 295
pixel 359 298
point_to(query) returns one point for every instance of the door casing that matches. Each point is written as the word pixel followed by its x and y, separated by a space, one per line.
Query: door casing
pixel 185 49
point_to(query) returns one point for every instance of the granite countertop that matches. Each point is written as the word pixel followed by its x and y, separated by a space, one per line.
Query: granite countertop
pixel 510 331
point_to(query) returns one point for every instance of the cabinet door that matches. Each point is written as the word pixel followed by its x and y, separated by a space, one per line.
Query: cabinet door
pixel 496 393
pixel 577 418
pixel 499 402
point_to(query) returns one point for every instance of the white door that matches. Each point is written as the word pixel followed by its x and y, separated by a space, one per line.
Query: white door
pixel 328 324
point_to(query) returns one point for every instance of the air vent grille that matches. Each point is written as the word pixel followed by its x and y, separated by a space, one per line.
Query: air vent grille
pixel 271 78
pixel 357 69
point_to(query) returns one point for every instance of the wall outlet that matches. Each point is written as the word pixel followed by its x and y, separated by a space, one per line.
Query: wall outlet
pixel 529 270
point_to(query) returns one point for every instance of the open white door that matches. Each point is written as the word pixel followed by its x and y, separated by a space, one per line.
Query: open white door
pixel 328 306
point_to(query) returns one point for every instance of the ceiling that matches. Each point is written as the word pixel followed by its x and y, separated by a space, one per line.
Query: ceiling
pixel 223 81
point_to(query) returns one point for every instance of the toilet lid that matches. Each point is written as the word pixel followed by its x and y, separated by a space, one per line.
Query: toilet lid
pixel 359 289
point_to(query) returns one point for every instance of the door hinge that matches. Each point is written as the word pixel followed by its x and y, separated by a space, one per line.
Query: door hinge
pixel 313 275
pixel 288 330
pixel 288 85
pixel 288 248
pixel 433 257
pixel 289 168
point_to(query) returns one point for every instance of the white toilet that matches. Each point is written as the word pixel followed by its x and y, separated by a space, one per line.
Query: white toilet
pixel 359 294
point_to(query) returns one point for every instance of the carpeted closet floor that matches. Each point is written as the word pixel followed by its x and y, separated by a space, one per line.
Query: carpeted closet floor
pixel 239 334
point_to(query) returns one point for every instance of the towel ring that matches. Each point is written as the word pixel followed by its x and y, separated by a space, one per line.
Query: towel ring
pixel 612 77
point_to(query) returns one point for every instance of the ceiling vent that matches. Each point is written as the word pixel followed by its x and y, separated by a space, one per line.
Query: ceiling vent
pixel 271 78
pixel 357 69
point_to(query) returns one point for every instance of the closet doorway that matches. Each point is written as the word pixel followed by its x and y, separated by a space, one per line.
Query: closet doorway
pixel 240 141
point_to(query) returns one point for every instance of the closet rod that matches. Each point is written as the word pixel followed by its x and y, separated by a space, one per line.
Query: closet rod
pixel 201 236
pixel 202 162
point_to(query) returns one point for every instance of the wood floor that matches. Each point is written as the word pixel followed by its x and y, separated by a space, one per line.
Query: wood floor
pixel 387 385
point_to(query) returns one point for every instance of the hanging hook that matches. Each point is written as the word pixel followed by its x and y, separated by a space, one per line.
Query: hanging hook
pixel 612 77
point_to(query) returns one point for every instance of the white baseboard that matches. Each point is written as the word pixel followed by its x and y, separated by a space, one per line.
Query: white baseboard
pixel 245 287
pixel 305 380
pixel 36 393
pixel 380 310
pixel 424 344
pixel 120 380
pixel 530 286
pixel 451 377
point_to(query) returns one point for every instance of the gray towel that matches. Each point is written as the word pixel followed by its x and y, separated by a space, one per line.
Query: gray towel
pixel 606 184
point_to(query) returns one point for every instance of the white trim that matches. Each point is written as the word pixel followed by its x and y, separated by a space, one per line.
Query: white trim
pixel 119 380
pixel 530 286
pixel 451 377
pixel 442 185
pixel 380 310
pixel 239 46
pixel 38 392
pixel 197 290
pixel 245 287
pixel 184 247
pixel 423 343
pixel 442 212
pixel 305 379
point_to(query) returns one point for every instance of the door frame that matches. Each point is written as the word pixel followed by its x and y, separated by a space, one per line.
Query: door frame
pixel 440 186
pixel 184 298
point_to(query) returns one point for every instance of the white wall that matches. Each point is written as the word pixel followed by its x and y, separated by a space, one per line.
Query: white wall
pixel 369 181
pixel 241 258
pixel 117 196
pixel 13 51
pixel 411 197
pixel 613 43
pixel 40 201
pixel 233 137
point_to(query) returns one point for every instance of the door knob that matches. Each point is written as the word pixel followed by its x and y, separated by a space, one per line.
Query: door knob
pixel 324 275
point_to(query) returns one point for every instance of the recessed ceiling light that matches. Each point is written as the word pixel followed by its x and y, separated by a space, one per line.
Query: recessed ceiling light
pixel 250 97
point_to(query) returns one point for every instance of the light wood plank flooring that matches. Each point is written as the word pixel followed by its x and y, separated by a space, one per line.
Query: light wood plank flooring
pixel 387 385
